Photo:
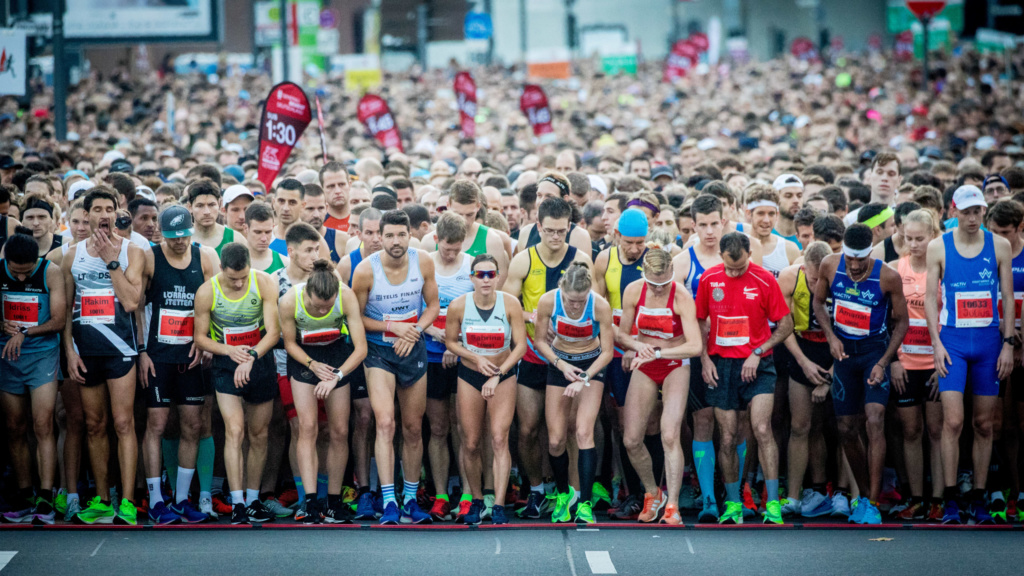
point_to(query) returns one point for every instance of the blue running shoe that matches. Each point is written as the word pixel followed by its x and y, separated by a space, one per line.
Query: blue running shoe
pixel 859 509
pixel 498 515
pixel 476 510
pixel 162 515
pixel 951 513
pixel 391 515
pixel 709 511
pixel 365 508
pixel 980 514
pixel 871 513
pixel 188 514
pixel 413 514
pixel 532 510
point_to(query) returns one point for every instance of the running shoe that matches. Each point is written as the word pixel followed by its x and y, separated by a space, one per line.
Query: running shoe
pixel 424 499
pixel 671 516
pixel 601 495
pixel 585 513
pixel 628 510
pixel 653 505
pixel 258 512
pixel 188 513
pixel 289 497
pixel 773 512
pixel 460 515
pixel 413 514
pixel 935 512
pixel 790 507
pixel 349 496
pixel 840 505
pixel 127 513
pixel 914 511
pixel 441 510
pixel 709 513
pixel 951 513
pixel 391 515
pixel 898 509
pixel 815 504
pixel 965 482
pixel 498 515
pixel 238 515
pixel 306 512
pixel 337 513
pixel 22 511
pixel 162 515
pixel 534 506
pixel 44 513
pixel 997 509
pixel 872 515
pixel 277 508
pixel 221 506
pixel 97 512
pixel 1011 510
pixel 61 501
pixel 365 509
pixel 206 507
pixel 749 506
pixel 476 508
pixel 859 508
pixel 563 506
pixel 74 507
pixel 547 506
pixel 979 514
pixel 1016 506
pixel 688 497
pixel 488 505
pixel 733 513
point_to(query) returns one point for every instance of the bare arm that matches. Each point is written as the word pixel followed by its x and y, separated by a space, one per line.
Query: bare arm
pixel 58 307
pixel 362 283
pixel 517 272
pixel 355 330
pixel 580 238
pixel 286 310
pixel 545 307
pixel 271 320
pixel 430 294
pixel 893 284
pixel 821 290
pixel 201 334
pixel 936 259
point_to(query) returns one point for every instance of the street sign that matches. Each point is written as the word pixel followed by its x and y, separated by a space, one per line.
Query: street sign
pixel 926 9
pixel 478 26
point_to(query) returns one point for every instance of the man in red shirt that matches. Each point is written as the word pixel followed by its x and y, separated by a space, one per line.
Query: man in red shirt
pixel 336 184
pixel 734 310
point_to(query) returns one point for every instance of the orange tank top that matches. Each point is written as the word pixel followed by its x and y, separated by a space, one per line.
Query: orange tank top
pixel 916 351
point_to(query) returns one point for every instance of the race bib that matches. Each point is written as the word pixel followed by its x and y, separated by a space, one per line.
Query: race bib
pixel 1018 299
pixel 21 310
pixel 853 318
pixel 732 331
pixel 441 319
pixel 485 339
pixel 242 336
pixel 410 317
pixel 97 307
pixel 973 309
pixel 176 326
pixel 813 336
pixel 917 340
pixel 320 337
pixel 654 322
pixel 574 330
pixel 616 316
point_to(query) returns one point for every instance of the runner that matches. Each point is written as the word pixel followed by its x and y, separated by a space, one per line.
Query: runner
pixel 737 364
pixel 38 216
pixel 204 201
pixel 169 363
pixel 483 326
pixel 239 326
pixel 33 314
pixel 530 277
pixel 102 280
pixel 763 215
pixel 325 348
pixel 464 200
pixel 314 210
pixel 791 192
pixel 336 183
pixel 966 263
pixel 867 296
pixel 392 286
pixel 236 199
pixel 259 225
pixel 583 344
pixel 552 185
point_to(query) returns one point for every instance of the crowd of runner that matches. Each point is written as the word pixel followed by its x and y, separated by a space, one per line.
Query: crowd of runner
pixel 753 295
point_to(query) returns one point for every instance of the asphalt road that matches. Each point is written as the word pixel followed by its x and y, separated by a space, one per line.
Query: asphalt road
pixel 484 552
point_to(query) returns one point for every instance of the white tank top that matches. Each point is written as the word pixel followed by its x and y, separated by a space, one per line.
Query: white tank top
pixel 100 325
pixel 778 260
pixel 394 302
pixel 486 337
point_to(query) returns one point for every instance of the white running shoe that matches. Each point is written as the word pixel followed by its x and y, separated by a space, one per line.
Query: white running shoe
pixel 840 505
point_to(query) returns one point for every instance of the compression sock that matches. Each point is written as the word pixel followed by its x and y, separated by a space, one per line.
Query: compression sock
pixel 587 467
pixel 169 450
pixel 657 450
pixel 704 460
pixel 388 493
pixel 204 465
pixel 409 490
pixel 732 492
pixel 183 484
pixel 741 453
pixel 771 488
pixel 300 488
pixel 560 468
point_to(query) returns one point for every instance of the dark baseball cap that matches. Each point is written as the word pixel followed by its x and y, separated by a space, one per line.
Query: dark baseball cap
pixel 121 165
pixel 176 222
pixel 7 162
pixel 662 171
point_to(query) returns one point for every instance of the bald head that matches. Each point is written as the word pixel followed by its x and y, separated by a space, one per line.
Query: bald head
pixel 470 169
pixel 565 162
pixel 493 196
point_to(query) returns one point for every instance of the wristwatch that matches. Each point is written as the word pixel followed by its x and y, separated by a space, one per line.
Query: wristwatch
pixel 255 355
pixel 586 378
pixel 339 374
pixel 657 352
pixel 114 265
pixel 418 328
pixel 758 351
pixel 1012 340
pixel 23 330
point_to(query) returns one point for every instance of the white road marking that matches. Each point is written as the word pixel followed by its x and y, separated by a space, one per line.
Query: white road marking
pixel 5 557
pixel 97 548
pixel 600 562
pixel 568 553
pixel 588 529
pixel 690 545
pixel 497 546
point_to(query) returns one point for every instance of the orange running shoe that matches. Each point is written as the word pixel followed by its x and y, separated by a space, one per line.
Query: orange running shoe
pixel 460 516
pixel 671 516
pixel 288 497
pixel 653 505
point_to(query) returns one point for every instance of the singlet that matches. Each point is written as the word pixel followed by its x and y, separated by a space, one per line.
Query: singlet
pixel 172 294
pixel 534 238
pixel 228 238
pixel 448 288
pixel 276 263
pixel 331 237
pixel 542 279
pixel 916 351
pixel 57 242
pixel 318 331
pixel 236 322
pixel 486 337
pixel 27 303
pixel 694 274
pixel 890 250
pixel 569 329
pixel 778 260
pixel 479 245
pixel 1017 264
pixel 278 246
pixel 859 309
pixel 340 224
pixel 969 286
pixel 618 276
pixel 660 323
pixel 284 284
pixel 389 302
pixel 355 257
pixel 805 323
pixel 794 239
pixel 100 325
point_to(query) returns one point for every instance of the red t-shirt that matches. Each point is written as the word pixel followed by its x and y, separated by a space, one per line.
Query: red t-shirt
pixel 340 224
pixel 740 309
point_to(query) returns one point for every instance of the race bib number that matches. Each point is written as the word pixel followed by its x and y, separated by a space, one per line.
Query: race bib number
pixel 176 326
pixel 616 316
pixel 408 318
pixel 917 340
pixel 852 318
pixel 485 339
pixel 21 310
pixel 654 322
pixel 1018 300
pixel 574 330
pixel 242 336
pixel 440 322
pixel 97 307
pixel 320 337
pixel 973 309
pixel 732 331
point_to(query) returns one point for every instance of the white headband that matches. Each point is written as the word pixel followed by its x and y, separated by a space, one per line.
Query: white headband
pixel 652 283
pixel 850 252
pixel 759 203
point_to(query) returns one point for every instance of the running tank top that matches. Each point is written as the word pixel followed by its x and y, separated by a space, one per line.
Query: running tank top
pixel 889 247
pixel 276 263
pixel 172 294
pixel 237 322
pixel 660 323
pixel 486 337
pixel 1017 265
pixel 448 288
pixel 969 286
pixel 278 246
pixel 805 322
pixel 859 309
pixel 389 302
pixel 539 280
pixel 100 325
pixel 355 257
pixel 916 351
pixel 26 303
pixel 479 242
pixel 618 276
pixel 694 274
pixel 227 238
pixel 778 260
pixel 571 329
pixel 318 331
pixel 331 237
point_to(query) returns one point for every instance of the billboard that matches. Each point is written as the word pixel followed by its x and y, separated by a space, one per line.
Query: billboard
pixel 133 20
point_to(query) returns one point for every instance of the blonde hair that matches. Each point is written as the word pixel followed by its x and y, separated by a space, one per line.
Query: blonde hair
pixel 926 217
pixel 816 252
pixel 576 278
pixel 657 261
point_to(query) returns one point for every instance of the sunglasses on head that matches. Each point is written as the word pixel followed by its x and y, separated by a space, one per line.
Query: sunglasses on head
pixel 484 274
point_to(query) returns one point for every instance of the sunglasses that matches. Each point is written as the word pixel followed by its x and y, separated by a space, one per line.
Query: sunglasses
pixel 441 209
pixel 484 274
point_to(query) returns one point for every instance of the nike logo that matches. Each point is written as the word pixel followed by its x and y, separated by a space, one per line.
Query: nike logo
pixel 50 373
pixel 749 289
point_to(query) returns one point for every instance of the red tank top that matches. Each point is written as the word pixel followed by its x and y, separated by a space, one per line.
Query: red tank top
pixel 660 323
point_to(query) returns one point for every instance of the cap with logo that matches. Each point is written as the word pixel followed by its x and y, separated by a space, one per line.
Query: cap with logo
pixel 967 196
pixel 80 186
pixel 787 181
pixel 176 222
pixel 236 191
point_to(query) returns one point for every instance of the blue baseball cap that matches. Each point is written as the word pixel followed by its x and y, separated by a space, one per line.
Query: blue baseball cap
pixel 633 223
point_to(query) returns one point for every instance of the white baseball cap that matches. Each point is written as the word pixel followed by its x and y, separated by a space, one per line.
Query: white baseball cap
pixel 598 183
pixel 787 180
pixel 967 196
pixel 77 187
pixel 236 191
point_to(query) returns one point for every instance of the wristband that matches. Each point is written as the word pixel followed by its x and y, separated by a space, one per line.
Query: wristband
pixel 309 362
pixel 141 347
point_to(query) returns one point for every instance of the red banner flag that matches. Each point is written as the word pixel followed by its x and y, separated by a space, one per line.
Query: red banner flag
pixel 375 114
pixel 683 56
pixel 286 113
pixel 465 92
pixel 534 103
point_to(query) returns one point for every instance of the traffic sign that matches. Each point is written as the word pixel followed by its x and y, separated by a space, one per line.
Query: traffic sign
pixel 478 26
pixel 926 9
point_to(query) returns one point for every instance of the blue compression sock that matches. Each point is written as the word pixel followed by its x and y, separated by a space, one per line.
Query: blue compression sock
pixel 704 458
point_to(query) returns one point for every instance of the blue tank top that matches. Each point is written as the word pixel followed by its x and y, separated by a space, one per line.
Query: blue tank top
pixel 969 286
pixel 860 309
pixel 1018 287
pixel 448 288
pixel 355 257
pixel 280 246
pixel 330 236
pixel 696 271
pixel 26 303
pixel 579 329
pixel 387 302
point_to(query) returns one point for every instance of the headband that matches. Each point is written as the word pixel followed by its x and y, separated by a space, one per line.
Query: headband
pixel 879 219
pixel 759 203
pixel 644 204
pixel 644 276
pixel 40 205
pixel 562 186
pixel 854 253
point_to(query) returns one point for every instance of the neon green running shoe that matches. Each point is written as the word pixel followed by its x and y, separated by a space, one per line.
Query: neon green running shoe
pixel 563 506
pixel 127 513
pixel 97 512
pixel 733 513
pixel 600 493
pixel 773 512
pixel 60 503
pixel 585 513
